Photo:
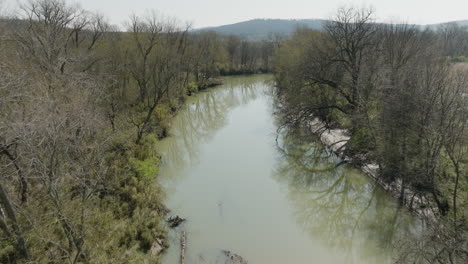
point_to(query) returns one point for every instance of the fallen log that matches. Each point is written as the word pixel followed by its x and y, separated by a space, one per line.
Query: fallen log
pixel 183 242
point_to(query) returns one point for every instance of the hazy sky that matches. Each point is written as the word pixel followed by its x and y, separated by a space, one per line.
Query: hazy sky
pixel 204 13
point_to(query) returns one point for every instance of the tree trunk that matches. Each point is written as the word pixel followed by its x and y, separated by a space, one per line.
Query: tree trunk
pixel 20 243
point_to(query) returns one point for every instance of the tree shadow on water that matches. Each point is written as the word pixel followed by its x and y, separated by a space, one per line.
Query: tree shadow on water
pixel 339 205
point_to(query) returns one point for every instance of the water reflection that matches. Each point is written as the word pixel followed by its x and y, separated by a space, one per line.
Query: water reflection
pixel 284 203
pixel 338 205
pixel 205 114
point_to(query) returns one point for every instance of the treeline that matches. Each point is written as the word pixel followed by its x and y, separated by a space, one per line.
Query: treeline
pixel 404 101
pixel 232 55
pixel 82 107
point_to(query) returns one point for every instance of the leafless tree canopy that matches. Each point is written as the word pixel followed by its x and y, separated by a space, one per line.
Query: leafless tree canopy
pixel 401 91
pixel 82 107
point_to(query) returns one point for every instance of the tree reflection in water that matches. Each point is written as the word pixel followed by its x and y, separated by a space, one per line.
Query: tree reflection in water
pixel 338 204
pixel 202 116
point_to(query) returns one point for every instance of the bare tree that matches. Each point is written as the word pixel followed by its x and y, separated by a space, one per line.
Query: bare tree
pixel 456 144
pixel 351 35
pixel 156 62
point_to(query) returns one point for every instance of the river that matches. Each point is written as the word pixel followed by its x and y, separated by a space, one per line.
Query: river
pixel 268 199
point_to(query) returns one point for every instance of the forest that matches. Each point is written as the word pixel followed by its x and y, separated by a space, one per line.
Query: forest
pixel 401 93
pixel 82 108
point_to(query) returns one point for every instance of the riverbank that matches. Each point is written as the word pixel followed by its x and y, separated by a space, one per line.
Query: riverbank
pixel 336 140
pixel 162 243
pixel 223 172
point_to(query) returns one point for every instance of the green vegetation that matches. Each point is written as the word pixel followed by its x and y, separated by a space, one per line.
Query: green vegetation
pixel 82 108
pixel 405 105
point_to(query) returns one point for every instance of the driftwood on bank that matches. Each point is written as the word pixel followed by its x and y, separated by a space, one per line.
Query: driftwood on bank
pixel 336 140
pixel 183 243
pixel 157 247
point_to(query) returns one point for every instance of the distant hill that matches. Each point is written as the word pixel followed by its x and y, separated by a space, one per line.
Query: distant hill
pixel 258 29
pixel 262 28
pixel 463 23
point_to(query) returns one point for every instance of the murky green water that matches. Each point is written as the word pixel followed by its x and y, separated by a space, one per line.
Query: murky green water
pixel 268 201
